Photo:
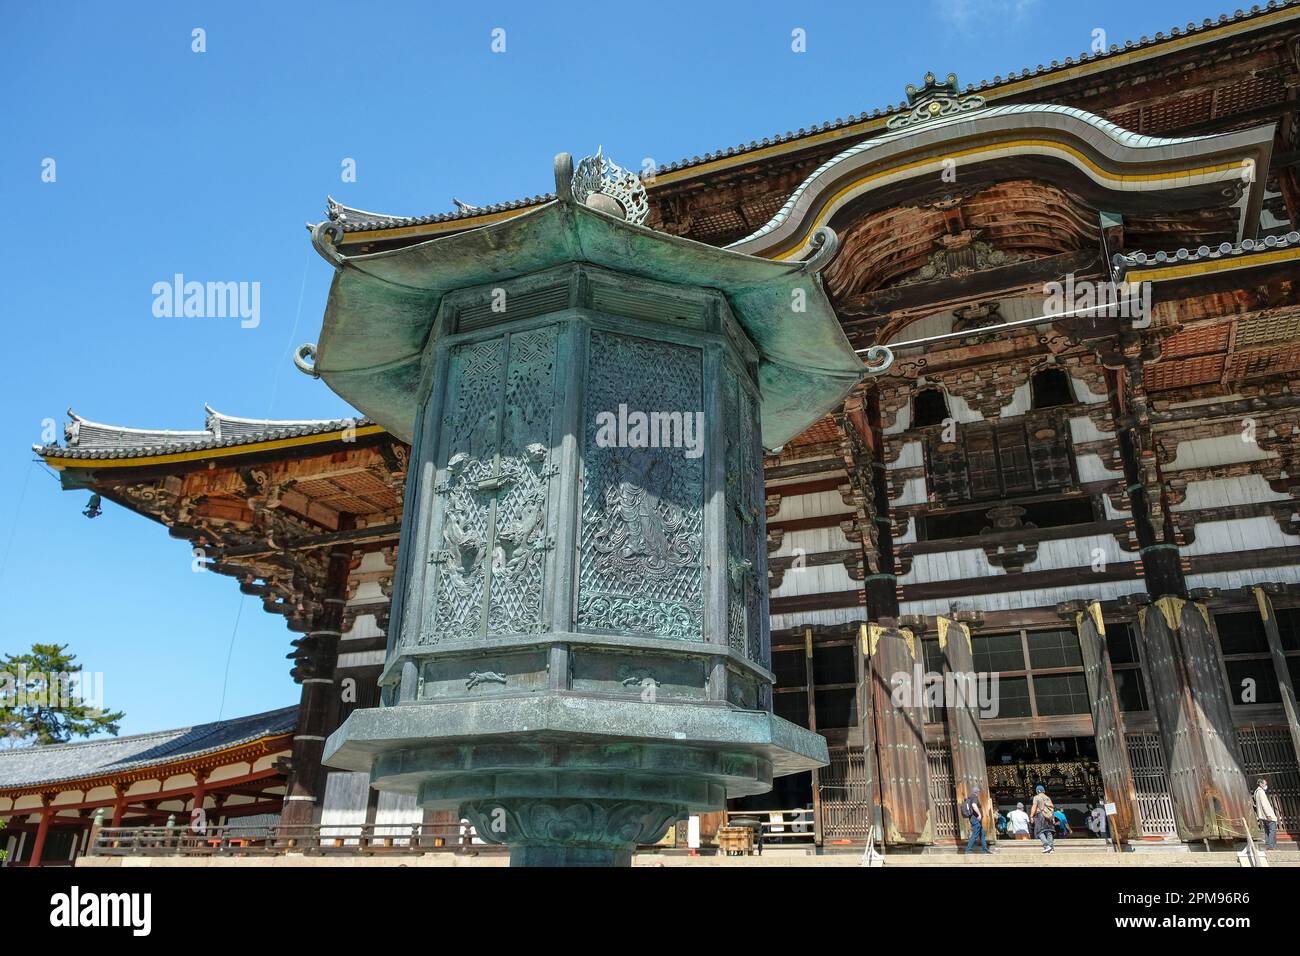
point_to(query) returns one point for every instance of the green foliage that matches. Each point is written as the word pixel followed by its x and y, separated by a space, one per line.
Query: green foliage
pixel 45 699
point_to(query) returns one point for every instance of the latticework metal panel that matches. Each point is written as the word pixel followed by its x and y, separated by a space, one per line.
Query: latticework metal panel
pixel 1261 362
pixel 846 811
pixel 942 798
pixel 1201 340
pixel 1267 752
pixel 1181 373
pixel 1263 329
pixel 1155 805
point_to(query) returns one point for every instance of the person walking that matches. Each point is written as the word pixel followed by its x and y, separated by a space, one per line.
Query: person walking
pixel 970 809
pixel 1018 823
pixel 1042 813
pixel 1265 813
pixel 1062 824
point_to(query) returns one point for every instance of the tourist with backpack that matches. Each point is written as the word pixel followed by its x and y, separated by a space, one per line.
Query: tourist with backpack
pixel 1043 814
pixel 970 810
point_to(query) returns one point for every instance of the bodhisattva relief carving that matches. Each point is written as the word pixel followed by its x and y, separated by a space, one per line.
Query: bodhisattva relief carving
pixel 490 563
pixel 642 508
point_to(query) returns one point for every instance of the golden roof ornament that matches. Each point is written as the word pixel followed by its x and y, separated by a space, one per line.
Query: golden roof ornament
pixel 935 99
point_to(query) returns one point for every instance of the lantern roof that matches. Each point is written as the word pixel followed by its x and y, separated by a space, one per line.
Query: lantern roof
pixel 382 306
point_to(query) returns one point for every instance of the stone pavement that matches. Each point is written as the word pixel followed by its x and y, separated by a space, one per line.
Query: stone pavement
pixel 1022 855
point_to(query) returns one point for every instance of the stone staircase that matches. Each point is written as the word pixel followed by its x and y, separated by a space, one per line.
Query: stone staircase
pixel 1087 852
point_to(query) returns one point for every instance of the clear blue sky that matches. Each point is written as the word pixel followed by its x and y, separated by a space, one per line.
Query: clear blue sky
pixel 209 165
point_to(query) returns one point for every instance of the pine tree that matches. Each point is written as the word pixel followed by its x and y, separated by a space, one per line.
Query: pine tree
pixel 43 699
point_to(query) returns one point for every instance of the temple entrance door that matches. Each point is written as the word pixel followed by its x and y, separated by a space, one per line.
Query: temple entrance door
pixel 1066 766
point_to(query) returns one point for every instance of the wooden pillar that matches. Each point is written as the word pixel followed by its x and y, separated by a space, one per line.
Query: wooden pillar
pixel 812 725
pixel 961 703
pixel 316 654
pixel 903 770
pixel 119 803
pixel 42 830
pixel 867 721
pixel 1280 668
pixel 198 796
pixel 899 714
pixel 1209 790
pixel 1107 722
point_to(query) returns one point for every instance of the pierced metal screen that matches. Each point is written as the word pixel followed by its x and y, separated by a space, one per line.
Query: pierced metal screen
pixel 1267 751
pixel 943 798
pixel 1155 805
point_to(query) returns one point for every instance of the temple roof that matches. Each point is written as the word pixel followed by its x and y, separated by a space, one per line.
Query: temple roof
pixel 23 767
pixel 358 220
pixel 1247 252
pixel 1104 154
pixel 85 439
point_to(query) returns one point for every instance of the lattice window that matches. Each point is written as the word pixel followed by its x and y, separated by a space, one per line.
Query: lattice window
pixel 1129 119
pixel 943 798
pixel 1204 340
pixel 1267 752
pixel 982 464
pixel 1181 374
pixel 1249 94
pixel 1264 362
pixel 1155 805
pixel 1174 114
pixel 1264 329
pixel 1013 456
pixel 717 224
pixel 846 809
pixel 1243 644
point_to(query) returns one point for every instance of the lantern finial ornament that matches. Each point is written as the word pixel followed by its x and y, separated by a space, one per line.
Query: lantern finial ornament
pixel 597 181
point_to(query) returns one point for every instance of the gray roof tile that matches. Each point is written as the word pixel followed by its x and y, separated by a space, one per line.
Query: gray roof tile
pixel 58 763
pixel 359 220
pixel 96 441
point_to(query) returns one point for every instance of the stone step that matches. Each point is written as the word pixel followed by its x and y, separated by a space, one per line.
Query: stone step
pixel 1082 857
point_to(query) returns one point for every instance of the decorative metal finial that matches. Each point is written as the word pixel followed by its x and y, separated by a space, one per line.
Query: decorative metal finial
pixel 935 99
pixel 596 176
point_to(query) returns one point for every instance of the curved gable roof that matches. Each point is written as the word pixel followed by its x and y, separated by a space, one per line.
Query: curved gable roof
pixel 1113 159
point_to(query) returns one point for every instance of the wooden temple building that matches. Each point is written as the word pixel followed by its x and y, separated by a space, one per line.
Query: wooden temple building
pixel 231 771
pixel 1100 507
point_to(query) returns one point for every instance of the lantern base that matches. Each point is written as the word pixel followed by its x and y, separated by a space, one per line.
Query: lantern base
pixel 571 831
pixel 568 856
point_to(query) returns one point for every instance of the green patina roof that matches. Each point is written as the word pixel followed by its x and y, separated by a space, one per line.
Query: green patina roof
pixel 382 307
